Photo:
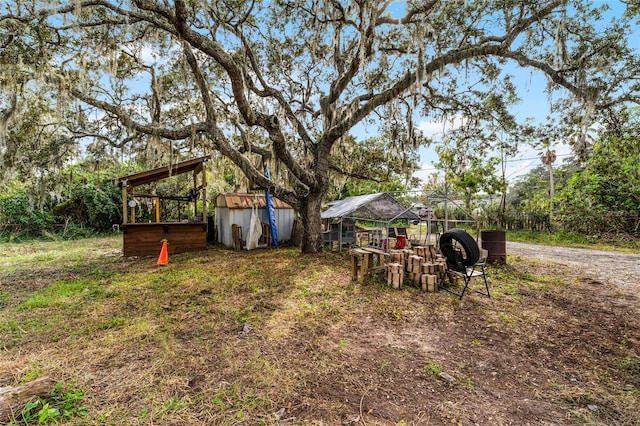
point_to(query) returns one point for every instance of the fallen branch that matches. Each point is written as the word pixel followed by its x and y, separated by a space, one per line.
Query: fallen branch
pixel 14 399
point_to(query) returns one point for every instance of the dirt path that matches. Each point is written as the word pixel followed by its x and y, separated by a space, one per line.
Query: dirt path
pixel 620 269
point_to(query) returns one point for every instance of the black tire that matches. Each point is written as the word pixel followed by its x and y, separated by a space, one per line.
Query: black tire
pixel 459 240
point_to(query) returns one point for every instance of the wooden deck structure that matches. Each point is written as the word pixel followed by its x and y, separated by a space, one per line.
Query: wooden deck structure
pixel 145 239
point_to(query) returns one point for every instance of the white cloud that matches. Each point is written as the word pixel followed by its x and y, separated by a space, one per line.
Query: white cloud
pixel 149 56
pixel 437 128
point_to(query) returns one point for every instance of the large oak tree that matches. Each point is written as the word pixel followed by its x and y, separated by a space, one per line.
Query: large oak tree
pixel 286 82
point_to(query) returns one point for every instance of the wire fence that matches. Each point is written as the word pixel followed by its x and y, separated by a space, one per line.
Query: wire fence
pixel 584 222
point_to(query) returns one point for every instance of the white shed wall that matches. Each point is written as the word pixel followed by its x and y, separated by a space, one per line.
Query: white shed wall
pixel 226 217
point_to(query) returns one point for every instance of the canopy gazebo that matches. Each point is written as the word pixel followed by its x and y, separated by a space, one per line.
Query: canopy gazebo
pixel 380 209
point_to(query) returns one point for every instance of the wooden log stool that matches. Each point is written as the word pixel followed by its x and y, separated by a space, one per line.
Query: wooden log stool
pixel 395 275
pixel 396 256
pixel 414 267
pixel 421 251
pixel 428 282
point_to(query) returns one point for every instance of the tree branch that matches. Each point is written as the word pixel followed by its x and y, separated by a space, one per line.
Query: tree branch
pixel 127 121
pixel 588 93
pixel 343 172
pixel 365 50
pixel 406 19
pixel 270 91
pixel 236 76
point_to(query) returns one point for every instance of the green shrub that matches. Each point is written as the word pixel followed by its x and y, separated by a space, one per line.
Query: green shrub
pixel 18 216
pixel 62 404
pixel 90 205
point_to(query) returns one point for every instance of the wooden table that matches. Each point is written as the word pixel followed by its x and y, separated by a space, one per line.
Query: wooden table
pixel 365 261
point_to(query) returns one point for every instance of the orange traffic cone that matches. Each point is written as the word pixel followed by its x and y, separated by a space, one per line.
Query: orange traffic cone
pixel 163 259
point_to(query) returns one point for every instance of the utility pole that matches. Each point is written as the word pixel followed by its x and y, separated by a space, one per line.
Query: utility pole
pixel 548 159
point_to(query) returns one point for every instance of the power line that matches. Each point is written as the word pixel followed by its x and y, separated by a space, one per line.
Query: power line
pixel 515 160
pixel 518 171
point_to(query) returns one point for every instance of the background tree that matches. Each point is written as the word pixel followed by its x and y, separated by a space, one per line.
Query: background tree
pixel 597 195
pixel 603 196
pixel 467 167
pixel 368 166
pixel 285 82
pixel 77 201
pixel 508 148
pixel 528 200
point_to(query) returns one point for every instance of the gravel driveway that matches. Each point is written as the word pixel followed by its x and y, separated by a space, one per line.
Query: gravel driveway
pixel 620 269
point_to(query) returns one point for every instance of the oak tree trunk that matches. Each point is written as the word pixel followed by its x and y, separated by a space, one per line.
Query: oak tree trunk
pixel 310 208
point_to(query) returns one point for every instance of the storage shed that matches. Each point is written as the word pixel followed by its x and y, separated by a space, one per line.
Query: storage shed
pixel 235 209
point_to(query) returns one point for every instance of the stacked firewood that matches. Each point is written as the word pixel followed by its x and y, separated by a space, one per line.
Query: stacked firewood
pixel 422 265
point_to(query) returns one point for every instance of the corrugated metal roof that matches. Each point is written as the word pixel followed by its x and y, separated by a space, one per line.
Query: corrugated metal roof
pixel 246 201
pixel 160 173
pixel 378 206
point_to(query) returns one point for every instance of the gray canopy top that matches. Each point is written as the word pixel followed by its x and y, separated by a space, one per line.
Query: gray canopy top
pixel 379 206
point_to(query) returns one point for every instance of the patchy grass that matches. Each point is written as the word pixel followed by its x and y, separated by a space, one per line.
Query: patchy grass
pixel 274 337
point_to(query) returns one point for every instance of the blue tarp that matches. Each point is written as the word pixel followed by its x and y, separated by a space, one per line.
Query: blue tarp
pixel 271 212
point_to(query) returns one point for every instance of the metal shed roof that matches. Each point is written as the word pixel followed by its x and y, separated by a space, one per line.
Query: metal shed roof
pixel 246 201
pixel 160 173
pixel 378 206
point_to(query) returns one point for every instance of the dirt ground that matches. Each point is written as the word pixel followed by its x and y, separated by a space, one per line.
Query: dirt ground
pixel 558 343
pixel 543 364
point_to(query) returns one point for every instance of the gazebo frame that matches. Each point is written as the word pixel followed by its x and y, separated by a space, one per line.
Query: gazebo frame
pixel 144 239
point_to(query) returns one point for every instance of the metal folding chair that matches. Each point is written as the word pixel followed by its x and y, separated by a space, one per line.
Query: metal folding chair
pixel 456 268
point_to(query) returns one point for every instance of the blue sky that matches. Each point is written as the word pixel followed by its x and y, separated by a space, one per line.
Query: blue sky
pixel 534 105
